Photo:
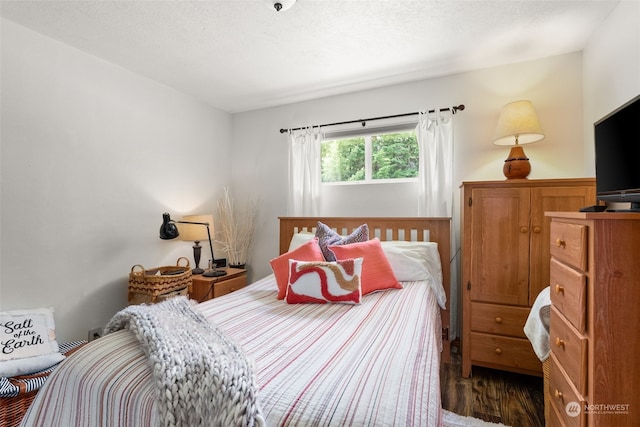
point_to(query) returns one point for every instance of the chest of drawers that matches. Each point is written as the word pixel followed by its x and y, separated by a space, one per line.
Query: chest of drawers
pixel 595 313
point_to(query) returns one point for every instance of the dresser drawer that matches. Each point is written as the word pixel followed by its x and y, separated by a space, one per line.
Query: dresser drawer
pixel 570 349
pixel 554 419
pixel 561 394
pixel 504 351
pixel 498 319
pixel 568 293
pixel 229 286
pixel 569 243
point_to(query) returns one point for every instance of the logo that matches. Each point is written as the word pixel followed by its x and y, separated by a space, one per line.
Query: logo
pixel 607 408
pixel 572 409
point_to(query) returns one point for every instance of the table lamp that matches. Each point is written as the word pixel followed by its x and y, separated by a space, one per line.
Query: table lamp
pixel 195 233
pixel 518 125
pixel 169 230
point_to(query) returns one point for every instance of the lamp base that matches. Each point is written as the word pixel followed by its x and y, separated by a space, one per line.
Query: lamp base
pixel 197 250
pixel 214 273
pixel 517 165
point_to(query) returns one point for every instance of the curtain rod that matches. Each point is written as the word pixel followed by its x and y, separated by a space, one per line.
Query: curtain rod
pixel 453 109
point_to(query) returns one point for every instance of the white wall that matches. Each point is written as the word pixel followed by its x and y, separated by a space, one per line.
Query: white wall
pixel 91 156
pixel 611 69
pixel 553 84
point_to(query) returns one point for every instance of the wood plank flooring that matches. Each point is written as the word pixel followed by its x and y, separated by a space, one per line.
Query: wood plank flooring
pixel 492 395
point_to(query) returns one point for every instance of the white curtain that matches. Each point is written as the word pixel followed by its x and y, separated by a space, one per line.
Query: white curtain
pixel 435 140
pixel 304 172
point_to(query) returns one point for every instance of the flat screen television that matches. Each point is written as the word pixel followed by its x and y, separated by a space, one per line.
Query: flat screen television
pixel 617 151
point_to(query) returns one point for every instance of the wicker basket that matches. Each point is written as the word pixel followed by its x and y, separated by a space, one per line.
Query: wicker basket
pixel 158 284
pixel 180 292
pixel 13 409
pixel 545 376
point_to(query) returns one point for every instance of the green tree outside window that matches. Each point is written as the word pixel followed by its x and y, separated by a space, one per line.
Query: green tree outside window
pixel 376 157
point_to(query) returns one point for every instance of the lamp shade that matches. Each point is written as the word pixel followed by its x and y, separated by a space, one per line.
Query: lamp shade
pixel 195 232
pixel 518 124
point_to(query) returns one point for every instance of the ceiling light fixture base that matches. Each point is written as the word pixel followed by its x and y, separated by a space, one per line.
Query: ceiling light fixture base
pixel 280 5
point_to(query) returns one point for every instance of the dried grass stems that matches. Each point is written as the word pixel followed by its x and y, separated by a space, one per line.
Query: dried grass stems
pixel 235 229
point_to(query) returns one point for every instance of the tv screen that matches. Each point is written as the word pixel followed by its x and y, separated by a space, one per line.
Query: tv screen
pixel 617 151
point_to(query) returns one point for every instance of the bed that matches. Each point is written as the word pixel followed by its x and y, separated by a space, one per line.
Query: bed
pixel 371 364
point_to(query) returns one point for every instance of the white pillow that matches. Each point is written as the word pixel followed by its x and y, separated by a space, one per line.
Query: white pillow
pixel 299 239
pixel 414 261
pixel 29 365
pixel 27 341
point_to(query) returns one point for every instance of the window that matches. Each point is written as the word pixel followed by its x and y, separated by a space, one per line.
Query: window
pixel 370 158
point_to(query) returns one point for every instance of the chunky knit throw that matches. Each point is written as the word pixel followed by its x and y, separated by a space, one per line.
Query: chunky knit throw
pixel 203 378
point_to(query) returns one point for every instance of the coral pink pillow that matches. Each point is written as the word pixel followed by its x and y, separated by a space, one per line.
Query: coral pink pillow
pixel 321 282
pixel 309 251
pixel 376 270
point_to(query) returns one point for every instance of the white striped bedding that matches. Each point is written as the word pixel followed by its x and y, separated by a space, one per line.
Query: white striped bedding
pixel 375 364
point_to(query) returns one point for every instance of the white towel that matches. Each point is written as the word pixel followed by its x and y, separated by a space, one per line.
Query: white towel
pixel 537 326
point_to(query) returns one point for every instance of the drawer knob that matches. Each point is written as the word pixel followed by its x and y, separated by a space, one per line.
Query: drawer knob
pixel 560 243
pixel 559 342
pixel 498 319
pixel 559 289
pixel 498 350
pixel 524 229
pixel 537 229
pixel 558 394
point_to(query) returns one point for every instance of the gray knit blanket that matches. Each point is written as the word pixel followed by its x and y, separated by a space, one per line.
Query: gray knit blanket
pixel 202 377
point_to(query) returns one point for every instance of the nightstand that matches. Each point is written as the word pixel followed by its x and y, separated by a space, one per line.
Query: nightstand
pixel 205 288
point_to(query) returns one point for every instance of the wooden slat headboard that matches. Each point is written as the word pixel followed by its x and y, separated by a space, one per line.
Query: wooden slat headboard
pixel 387 228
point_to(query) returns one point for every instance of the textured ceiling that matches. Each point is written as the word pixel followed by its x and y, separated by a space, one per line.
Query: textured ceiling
pixel 242 55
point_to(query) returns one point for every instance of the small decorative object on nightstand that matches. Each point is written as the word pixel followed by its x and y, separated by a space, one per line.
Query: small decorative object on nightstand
pixel 236 228
pixel 205 288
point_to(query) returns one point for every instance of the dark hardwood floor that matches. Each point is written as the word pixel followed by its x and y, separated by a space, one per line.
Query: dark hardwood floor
pixel 491 395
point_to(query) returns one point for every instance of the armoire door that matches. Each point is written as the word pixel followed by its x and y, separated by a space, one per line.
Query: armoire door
pixel 500 237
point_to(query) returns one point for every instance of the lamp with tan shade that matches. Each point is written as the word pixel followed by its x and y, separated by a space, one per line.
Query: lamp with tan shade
pixel 188 230
pixel 518 125
pixel 195 233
